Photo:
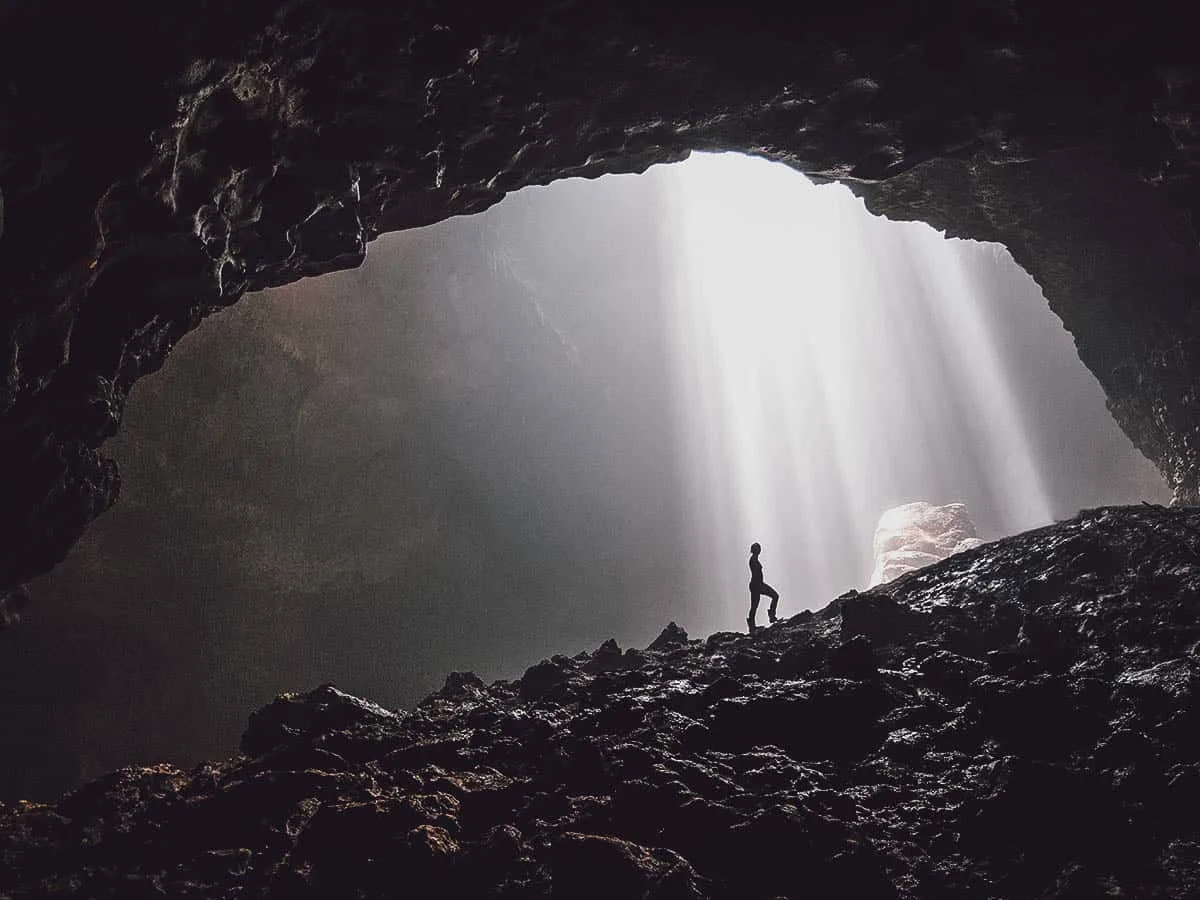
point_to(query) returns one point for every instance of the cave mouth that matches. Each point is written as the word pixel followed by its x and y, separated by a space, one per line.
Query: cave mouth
pixel 557 421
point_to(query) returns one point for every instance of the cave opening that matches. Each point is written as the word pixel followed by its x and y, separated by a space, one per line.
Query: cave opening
pixel 535 428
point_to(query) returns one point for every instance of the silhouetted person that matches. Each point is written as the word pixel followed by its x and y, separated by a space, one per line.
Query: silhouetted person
pixel 758 588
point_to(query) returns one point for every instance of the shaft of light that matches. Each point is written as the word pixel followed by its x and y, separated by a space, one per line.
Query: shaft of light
pixel 828 365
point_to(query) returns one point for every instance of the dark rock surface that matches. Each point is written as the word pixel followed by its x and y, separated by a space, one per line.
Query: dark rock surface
pixel 1020 720
pixel 156 161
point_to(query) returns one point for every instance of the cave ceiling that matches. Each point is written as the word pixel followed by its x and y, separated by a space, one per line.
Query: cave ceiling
pixel 157 161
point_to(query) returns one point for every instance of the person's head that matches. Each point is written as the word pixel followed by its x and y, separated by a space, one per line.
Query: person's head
pixel 755 548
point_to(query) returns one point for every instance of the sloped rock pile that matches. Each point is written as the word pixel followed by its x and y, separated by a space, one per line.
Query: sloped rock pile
pixel 1021 720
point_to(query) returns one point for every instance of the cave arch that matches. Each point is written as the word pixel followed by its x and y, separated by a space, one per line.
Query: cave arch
pixel 157 164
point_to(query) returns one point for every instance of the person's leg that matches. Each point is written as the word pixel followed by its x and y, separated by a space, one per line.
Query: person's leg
pixel 753 608
pixel 774 595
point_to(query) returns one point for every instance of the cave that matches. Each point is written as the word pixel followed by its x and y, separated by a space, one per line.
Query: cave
pixel 247 149
pixel 536 428
pixel 155 166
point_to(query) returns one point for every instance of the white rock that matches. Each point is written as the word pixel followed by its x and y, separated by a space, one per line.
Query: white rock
pixel 919 534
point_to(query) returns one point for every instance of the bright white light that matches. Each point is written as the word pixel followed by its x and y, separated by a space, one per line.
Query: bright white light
pixel 828 365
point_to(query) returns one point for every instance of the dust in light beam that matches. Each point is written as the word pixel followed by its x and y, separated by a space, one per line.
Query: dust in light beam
pixel 828 365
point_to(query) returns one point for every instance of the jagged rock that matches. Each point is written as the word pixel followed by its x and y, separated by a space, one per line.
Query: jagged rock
pixel 717 638
pixel 672 636
pixel 739 768
pixel 879 619
pixel 460 686
pixel 431 848
pixel 951 673
pixel 541 679
pixel 854 659
pixel 1172 684
pixel 609 658
pixel 594 867
pixel 293 717
pixel 11 604
pixel 791 848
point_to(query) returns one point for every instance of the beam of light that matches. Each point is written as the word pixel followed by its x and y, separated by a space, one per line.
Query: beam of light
pixel 828 365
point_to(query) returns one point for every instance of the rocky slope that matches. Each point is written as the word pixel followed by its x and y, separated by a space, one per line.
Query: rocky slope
pixel 156 161
pixel 1020 720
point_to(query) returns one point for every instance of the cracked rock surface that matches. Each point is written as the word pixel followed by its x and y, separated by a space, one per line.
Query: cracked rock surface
pixel 1020 720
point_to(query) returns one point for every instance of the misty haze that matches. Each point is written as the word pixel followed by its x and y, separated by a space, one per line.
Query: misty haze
pixel 527 431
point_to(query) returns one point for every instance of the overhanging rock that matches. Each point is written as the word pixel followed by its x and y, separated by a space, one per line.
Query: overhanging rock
pixel 158 161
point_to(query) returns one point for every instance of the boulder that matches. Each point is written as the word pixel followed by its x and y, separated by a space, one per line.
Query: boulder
pixel 672 636
pixel 914 535
pixel 541 679
pixel 598 867
pixel 296 717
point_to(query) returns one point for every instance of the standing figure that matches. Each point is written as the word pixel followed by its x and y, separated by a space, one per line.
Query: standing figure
pixel 758 588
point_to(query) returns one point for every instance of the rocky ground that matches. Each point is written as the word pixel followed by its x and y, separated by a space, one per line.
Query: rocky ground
pixel 1020 721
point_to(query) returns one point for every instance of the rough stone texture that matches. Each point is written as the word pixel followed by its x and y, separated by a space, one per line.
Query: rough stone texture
pixel 1020 720
pixel 158 160
pixel 914 535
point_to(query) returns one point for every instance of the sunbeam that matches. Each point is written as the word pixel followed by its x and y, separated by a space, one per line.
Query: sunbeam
pixel 828 365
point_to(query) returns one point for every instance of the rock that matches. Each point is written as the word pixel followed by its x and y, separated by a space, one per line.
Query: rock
pixel 951 673
pixel 300 757
pixel 879 619
pixel 595 867
pixel 945 761
pixel 797 849
pixel 647 809
pixel 12 602
pixel 802 655
pixel 293 717
pixel 915 535
pixel 1035 806
pixel 502 846
pixel 906 745
pixel 1044 712
pixel 486 797
pixel 431 845
pixel 672 636
pixel 1183 782
pixel 541 679
pixel 461 686
pixel 1170 684
pixel 718 638
pixel 854 659
pixel 609 658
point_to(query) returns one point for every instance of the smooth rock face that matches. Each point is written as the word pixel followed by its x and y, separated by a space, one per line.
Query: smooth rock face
pixel 242 145
pixel 914 535
pixel 1021 721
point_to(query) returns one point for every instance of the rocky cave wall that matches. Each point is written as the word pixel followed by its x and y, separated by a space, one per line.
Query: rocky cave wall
pixel 159 160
